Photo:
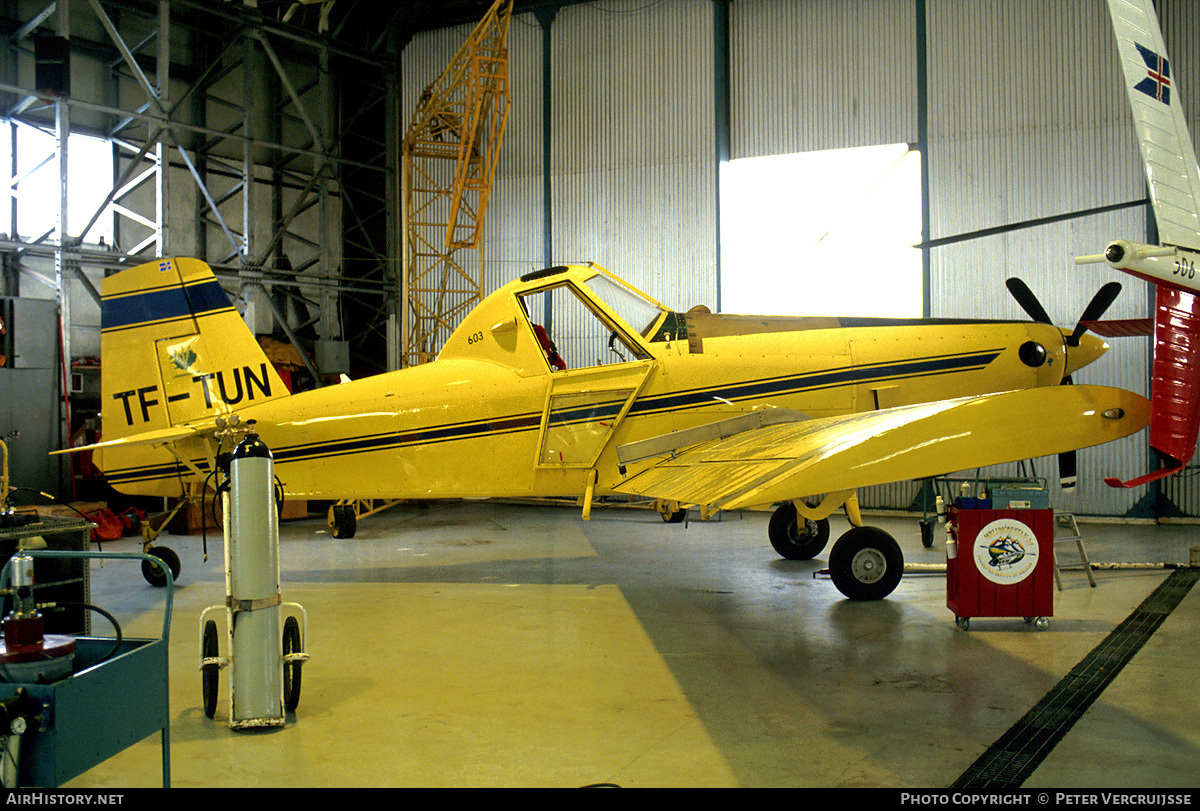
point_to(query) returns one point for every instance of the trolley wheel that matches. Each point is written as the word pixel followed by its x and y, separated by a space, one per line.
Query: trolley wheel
pixel 926 533
pixel 963 623
pixel 291 670
pixel 153 573
pixel 210 674
pixel 344 521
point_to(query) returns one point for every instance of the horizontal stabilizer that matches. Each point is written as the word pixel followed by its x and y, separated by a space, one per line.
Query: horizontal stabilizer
pixel 1153 476
pixel 792 460
pixel 1121 327
pixel 162 436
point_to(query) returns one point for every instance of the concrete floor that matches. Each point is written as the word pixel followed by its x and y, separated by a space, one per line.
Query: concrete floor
pixel 483 644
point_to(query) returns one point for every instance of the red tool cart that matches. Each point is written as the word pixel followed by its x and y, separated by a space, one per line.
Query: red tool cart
pixel 1003 565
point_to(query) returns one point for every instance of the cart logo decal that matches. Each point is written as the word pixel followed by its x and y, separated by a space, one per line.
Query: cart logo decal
pixel 1006 551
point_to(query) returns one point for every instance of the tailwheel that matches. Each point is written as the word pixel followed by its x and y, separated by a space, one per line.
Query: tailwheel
pixel 210 672
pixel 291 669
pixel 154 574
pixel 794 537
pixel 866 563
pixel 343 520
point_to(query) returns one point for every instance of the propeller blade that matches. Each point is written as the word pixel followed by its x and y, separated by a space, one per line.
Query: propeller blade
pixel 1028 301
pixel 1100 302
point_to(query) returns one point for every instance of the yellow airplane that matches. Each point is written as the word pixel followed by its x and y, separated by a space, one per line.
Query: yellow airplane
pixel 691 409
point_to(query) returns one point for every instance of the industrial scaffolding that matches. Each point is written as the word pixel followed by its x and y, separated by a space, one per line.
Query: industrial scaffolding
pixel 243 113
pixel 449 161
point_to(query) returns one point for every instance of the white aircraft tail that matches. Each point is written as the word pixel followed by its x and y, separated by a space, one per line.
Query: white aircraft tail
pixel 1171 168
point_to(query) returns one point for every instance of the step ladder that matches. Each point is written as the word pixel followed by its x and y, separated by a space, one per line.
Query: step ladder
pixel 1067 521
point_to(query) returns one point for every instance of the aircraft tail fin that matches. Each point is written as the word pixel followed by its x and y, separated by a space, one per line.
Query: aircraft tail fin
pixel 175 350
pixel 1171 168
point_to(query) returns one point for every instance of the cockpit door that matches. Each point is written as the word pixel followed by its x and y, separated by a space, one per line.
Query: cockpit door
pixel 583 410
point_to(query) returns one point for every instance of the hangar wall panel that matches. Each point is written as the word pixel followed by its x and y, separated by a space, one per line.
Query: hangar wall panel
pixel 632 144
pixel 512 231
pixel 810 76
pixel 632 169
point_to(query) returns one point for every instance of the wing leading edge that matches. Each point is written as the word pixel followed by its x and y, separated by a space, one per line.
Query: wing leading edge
pixel 793 459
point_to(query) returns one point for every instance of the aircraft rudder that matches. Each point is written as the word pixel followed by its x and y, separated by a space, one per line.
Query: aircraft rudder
pixel 174 349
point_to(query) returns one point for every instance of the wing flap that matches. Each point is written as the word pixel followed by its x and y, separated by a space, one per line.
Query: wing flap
pixel 793 460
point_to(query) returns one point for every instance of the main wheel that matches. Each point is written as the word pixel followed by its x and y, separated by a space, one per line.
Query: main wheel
pixel 345 521
pixel 675 516
pixel 795 538
pixel 210 674
pixel 291 670
pixel 154 574
pixel 866 564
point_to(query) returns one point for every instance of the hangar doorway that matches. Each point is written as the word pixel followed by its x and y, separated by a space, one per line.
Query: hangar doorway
pixel 823 233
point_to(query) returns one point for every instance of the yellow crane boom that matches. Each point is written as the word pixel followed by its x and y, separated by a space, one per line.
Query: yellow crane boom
pixel 449 157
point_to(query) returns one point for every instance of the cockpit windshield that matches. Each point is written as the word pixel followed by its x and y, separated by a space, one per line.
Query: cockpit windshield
pixel 638 312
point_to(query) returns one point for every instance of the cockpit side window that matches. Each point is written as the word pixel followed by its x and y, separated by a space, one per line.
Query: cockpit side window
pixel 572 335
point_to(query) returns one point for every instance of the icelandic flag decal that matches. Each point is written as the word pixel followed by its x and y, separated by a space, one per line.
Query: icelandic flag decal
pixel 1157 84
pixel 164 266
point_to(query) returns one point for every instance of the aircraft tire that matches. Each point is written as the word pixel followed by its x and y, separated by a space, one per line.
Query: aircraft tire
pixel 783 530
pixel 154 575
pixel 866 563
pixel 675 517
pixel 291 670
pixel 210 674
pixel 345 521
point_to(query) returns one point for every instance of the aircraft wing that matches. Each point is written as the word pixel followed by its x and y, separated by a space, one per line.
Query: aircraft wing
pixel 788 459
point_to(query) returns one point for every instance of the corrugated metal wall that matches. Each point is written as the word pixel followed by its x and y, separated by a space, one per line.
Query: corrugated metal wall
pixel 633 170
pixel 807 76
pixel 1027 119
